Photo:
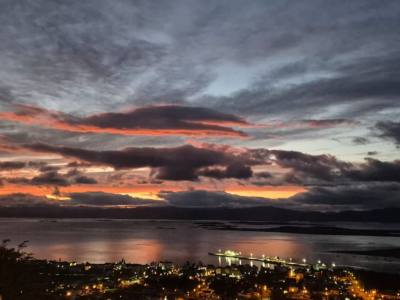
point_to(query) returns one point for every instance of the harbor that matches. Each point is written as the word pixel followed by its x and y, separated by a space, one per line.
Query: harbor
pixel 275 260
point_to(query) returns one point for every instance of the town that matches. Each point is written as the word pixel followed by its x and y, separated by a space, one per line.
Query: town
pixel 23 277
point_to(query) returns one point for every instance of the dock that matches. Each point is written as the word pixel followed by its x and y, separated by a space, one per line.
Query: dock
pixel 265 259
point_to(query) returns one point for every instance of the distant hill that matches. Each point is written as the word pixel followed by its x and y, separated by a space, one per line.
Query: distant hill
pixel 385 215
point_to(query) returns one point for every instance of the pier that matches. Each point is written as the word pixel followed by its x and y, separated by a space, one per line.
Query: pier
pixel 267 259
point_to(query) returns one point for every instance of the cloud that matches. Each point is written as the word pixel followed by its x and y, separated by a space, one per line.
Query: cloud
pixel 324 167
pixel 50 178
pixel 205 199
pixel 175 172
pixel 390 130
pixel 235 170
pixel 151 120
pixel 95 53
pixel 176 163
pixel 357 196
pixel 94 199
pixel 49 168
pixel 262 69
pixel 97 77
pixel 85 180
pixel 330 169
pixel 16 165
pixel 352 89
pixel 263 174
pixel 11 165
pixel 375 170
pixel 345 197
pixel 312 123
pixel 218 161
pixel 107 199
pixel 360 141
pixel 45 179
pixel 22 200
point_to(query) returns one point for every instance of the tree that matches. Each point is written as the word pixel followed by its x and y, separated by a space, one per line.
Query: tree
pixel 13 269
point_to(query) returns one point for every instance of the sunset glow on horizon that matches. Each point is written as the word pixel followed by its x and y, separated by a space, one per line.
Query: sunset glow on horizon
pixel 206 105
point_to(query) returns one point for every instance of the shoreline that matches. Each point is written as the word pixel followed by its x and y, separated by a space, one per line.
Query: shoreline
pixel 314 230
pixel 384 252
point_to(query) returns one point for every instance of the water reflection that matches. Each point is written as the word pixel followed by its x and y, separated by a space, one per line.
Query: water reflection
pixel 147 241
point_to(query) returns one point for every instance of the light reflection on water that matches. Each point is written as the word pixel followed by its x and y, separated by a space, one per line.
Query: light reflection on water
pixel 146 241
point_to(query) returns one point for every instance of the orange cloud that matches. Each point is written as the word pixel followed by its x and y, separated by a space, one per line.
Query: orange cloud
pixel 151 120
pixel 150 191
pixel 271 192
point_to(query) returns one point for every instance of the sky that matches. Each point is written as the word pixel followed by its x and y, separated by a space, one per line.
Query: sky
pixel 123 103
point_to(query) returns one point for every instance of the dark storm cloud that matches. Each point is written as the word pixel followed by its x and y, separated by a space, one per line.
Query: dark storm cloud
pixel 357 196
pixel 175 172
pixel 189 162
pixel 317 169
pixel 212 199
pixel 151 120
pixel 263 174
pixel 85 180
pixel 328 168
pixel 168 118
pixel 323 167
pixel 50 178
pixel 107 199
pixel 235 170
pixel 11 165
pixel 49 168
pixel 390 130
pixel 22 200
pixel 141 157
pixel 372 153
pixel 375 170
pixel 78 164
pixel 94 199
pixel 177 163
pixel 361 196
pixel 16 165
pixel 360 141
